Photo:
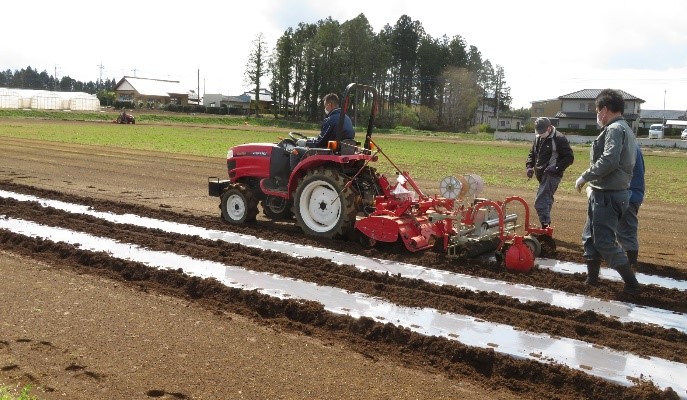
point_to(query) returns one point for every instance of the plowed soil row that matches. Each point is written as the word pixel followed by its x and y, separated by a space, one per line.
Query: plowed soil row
pixel 364 335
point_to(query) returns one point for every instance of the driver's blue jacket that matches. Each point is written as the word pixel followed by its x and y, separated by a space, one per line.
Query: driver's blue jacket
pixel 329 130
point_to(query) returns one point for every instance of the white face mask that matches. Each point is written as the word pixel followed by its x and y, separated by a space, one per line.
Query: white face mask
pixel 599 120
pixel 544 135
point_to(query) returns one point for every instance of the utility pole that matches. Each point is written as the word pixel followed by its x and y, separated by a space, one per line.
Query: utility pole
pixel 56 79
pixel 100 80
pixel 664 107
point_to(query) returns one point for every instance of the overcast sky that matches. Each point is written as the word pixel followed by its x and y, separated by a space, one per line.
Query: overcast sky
pixel 547 48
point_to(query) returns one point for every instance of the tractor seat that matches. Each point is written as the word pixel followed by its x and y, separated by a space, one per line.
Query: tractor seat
pixel 349 147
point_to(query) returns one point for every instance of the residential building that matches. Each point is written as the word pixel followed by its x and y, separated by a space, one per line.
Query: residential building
pixel 545 108
pixel 265 100
pixel 234 104
pixel 649 117
pixel 578 110
pixel 482 113
pixel 506 123
pixel 151 92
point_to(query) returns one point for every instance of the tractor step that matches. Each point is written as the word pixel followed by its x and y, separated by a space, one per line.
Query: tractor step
pixel 270 187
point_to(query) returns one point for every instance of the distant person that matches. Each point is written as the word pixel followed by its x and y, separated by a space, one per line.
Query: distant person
pixel 328 132
pixel 612 159
pixel 549 156
pixel 629 222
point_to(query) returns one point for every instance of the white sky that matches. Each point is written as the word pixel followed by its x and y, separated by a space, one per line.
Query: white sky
pixel 547 48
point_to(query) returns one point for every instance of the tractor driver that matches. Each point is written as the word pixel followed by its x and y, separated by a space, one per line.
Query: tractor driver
pixel 332 114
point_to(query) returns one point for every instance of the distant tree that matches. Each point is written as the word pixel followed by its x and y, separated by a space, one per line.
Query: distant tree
pixel 106 97
pixel 474 59
pixel 6 78
pixel 401 61
pixel 256 67
pixel 432 58
pixel 461 95
pixel 405 39
pixel 522 112
pixel 458 55
pixel 501 91
pixel 281 65
pixel 67 84
pixel 358 50
pixel 486 82
pixel 382 64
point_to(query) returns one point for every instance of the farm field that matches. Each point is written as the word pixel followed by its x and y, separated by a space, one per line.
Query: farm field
pixel 85 325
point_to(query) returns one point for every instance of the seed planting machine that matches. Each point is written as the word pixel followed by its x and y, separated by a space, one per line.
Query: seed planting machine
pixel 336 192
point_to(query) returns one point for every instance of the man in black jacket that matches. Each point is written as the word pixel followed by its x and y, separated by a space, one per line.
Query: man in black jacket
pixel 549 157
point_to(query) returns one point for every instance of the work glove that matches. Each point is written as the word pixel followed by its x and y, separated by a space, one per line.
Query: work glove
pixel 579 183
pixel 589 191
pixel 530 173
pixel 551 169
pixel 300 142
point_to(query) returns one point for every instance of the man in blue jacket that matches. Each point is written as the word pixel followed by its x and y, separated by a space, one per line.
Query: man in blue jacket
pixel 328 132
pixel 628 224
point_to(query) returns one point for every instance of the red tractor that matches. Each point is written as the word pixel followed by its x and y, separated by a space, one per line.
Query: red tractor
pixel 335 192
pixel 125 118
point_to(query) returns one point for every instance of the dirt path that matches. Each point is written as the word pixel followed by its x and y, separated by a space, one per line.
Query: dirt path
pixel 86 326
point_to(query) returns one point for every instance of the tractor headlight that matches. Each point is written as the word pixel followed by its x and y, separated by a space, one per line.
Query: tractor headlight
pixel 230 154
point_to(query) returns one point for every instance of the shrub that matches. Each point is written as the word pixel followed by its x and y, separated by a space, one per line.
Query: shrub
pixel 427 118
pixel 481 128
pixel 123 104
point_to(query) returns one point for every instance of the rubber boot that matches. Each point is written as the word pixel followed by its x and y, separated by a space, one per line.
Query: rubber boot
pixel 593 267
pixel 632 287
pixel 632 257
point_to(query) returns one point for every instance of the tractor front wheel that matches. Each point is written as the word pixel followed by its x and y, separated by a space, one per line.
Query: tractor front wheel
pixel 238 206
pixel 322 206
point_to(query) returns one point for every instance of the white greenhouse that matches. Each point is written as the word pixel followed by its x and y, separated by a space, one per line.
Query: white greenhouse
pixel 44 100
pixel 48 100
pixel 10 99
pixel 83 102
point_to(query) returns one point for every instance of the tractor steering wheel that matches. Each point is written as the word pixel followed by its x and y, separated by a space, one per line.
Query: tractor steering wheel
pixel 297 136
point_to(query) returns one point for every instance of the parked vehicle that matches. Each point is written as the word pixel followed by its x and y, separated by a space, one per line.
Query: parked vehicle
pixel 683 136
pixel 656 131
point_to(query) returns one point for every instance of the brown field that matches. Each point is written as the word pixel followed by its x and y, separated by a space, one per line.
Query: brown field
pixel 79 325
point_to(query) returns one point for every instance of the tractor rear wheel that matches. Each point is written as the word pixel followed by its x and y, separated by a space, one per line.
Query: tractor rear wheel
pixel 319 209
pixel 238 206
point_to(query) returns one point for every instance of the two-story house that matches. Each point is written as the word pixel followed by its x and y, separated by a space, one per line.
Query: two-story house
pixel 578 110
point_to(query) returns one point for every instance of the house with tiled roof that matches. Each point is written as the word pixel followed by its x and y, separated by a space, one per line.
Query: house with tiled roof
pixel 578 110
pixel 151 92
